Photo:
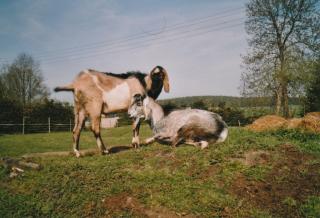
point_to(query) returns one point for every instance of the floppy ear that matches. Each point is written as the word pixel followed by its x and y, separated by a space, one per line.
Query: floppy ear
pixel 165 78
pixel 166 85
pixel 148 81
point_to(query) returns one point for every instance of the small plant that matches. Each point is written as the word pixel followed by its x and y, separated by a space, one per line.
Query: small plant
pixel 290 202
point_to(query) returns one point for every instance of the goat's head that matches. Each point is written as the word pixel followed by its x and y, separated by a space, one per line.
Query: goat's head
pixel 136 109
pixel 157 78
pixel 140 107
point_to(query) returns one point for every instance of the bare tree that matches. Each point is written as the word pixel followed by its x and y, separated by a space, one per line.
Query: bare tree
pixel 283 34
pixel 22 80
pixel 3 85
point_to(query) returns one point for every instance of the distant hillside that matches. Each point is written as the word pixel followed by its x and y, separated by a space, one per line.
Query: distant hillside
pixel 229 101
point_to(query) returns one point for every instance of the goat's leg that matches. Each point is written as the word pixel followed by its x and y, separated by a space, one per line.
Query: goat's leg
pixel 203 144
pixel 78 124
pixel 176 141
pixel 153 138
pixel 135 138
pixel 157 137
pixel 149 140
pixel 95 127
pixel 192 142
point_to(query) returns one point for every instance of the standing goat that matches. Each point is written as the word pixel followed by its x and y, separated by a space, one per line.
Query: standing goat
pixel 190 126
pixel 97 92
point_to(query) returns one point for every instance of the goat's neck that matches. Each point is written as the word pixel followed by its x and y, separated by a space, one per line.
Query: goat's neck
pixel 157 113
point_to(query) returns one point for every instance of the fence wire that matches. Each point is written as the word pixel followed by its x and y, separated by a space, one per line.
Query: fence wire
pixel 28 127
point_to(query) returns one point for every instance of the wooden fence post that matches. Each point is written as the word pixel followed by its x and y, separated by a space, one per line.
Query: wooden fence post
pixel 23 120
pixel 49 125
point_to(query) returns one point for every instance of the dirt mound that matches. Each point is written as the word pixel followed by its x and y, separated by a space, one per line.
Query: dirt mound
pixel 268 122
pixel 310 122
pixel 292 179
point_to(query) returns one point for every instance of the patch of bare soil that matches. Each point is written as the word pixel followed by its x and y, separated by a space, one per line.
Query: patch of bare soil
pixel 252 158
pixel 125 202
pixel 84 152
pixel 292 179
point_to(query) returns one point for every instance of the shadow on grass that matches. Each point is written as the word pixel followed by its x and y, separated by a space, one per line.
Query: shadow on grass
pixel 120 148
pixel 84 152
pixel 117 149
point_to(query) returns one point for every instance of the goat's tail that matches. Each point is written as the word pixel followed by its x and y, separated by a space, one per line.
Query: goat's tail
pixel 64 88
pixel 223 135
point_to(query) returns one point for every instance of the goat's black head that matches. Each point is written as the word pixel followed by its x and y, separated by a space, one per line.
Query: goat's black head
pixel 158 78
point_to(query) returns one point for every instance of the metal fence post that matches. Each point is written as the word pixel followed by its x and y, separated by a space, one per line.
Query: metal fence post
pixel 49 127
pixel 70 125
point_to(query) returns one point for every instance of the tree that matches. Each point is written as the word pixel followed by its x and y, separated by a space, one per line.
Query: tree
pixel 199 104
pixel 3 85
pixel 169 107
pixel 283 34
pixel 60 112
pixel 313 92
pixel 22 81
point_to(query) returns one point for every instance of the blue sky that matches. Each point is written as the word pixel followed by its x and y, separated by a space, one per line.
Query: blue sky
pixel 198 42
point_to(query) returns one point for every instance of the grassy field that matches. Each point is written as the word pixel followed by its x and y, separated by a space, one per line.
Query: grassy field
pixel 275 174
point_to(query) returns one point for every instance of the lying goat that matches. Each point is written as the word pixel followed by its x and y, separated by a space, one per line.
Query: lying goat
pixel 190 126
pixel 96 92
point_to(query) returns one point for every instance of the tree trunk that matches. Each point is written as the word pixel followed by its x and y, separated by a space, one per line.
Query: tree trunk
pixel 278 100
pixel 285 100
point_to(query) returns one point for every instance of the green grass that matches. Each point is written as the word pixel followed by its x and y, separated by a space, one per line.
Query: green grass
pixel 16 145
pixel 185 180
pixel 311 208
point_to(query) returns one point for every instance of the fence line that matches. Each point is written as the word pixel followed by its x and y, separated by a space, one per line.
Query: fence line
pixel 25 127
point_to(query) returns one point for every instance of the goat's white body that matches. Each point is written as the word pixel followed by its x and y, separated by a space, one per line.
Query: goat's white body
pixel 204 121
pixel 117 98
pixel 114 101
pixel 192 126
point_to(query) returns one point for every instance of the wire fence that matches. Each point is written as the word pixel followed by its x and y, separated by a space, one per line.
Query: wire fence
pixel 28 127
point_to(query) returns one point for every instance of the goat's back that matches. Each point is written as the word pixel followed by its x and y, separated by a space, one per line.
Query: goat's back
pixel 196 123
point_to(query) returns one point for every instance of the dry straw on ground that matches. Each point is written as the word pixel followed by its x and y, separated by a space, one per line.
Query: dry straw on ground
pixel 310 122
pixel 268 122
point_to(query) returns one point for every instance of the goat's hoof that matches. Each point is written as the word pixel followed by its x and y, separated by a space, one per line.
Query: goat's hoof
pixel 203 144
pixel 135 145
pixel 77 154
pixel 104 152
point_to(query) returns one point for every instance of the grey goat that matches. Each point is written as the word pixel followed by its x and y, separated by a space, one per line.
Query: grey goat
pixel 190 126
